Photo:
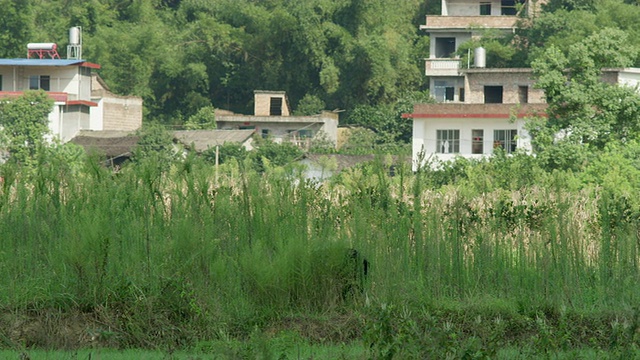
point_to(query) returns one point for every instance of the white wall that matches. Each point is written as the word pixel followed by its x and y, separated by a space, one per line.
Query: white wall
pixel 629 77
pixel 62 79
pixel 424 136
pixel 471 8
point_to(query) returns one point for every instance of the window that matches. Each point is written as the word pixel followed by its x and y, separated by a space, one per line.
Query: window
pixel 0 82
pixel 523 94
pixel 448 93
pixel 448 141
pixel 37 82
pixel 461 95
pixel 505 139
pixel 443 90
pixel 477 138
pixel 493 94
pixel 510 7
pixel 265 133
pixel 445 47
pixel 485 8
pixel 275 107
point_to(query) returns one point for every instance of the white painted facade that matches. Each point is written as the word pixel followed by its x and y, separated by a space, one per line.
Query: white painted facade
pixel 69 84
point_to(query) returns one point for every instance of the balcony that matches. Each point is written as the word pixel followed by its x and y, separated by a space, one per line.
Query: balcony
pixel 442 67
pixel 438 22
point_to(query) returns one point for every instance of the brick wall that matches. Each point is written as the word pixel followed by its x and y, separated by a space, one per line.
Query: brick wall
pixel 122 114
pixel 509 80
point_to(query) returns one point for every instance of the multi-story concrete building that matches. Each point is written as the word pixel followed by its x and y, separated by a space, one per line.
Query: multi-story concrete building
pixel 479 108
pixel 459 22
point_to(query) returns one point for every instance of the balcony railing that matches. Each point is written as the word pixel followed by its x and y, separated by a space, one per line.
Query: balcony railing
pixel 435 22
pixel 441 66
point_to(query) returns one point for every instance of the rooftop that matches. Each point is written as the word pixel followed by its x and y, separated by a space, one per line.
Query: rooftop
pixel 47 62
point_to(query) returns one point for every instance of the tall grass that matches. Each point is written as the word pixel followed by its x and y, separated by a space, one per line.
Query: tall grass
pixel 178 257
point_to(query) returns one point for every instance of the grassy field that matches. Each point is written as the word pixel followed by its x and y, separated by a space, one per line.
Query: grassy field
pixel 173 260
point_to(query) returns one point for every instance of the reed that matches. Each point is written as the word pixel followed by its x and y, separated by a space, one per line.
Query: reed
pixel 167 247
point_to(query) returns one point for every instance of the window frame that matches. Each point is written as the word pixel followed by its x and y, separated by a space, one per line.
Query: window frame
pixel 507 139
pixel 485 9
pixel 40 82
pixel 477 141
pixel 450 137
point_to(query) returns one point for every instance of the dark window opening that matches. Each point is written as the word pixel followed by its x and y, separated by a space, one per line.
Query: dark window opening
pixel 523 94
pixel 493 94
pixel 275 108
pixel 461 96
pixel 45 82
pixel 477 141
pixel 510 7
pixel 485 8
pixel 448 93
pixel 0 82
pixel 445 47
pixel 265 133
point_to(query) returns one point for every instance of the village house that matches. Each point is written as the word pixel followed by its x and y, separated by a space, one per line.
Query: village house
pixel 82 101
pixel 77 104
pixel 272 119
pixel 479 108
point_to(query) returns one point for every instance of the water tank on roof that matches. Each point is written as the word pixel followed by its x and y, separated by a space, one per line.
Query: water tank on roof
pixel 41 46
pixel 74 36
pixel 480 57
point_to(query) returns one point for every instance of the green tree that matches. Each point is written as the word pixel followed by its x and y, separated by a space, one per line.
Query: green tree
pixel 584 113
pixel 16 27
pixel 204 119
pixel 25 122
pixel 154 142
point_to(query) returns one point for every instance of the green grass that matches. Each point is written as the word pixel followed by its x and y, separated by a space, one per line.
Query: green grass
pixel 153 258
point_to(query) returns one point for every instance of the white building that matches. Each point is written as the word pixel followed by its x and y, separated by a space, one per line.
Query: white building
pixel 69 84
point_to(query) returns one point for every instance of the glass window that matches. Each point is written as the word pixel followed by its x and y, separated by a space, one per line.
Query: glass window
pixel 37 82
pixel 447 141
pixel 45 82
pixel 34 82
pixel 485 8
pixel 510 7
pixel 477 141
pixel 505 139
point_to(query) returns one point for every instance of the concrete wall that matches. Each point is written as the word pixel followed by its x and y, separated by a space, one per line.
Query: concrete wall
pixel 283 127
pixel 629 77
pixel 121 113
pixel 114 112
